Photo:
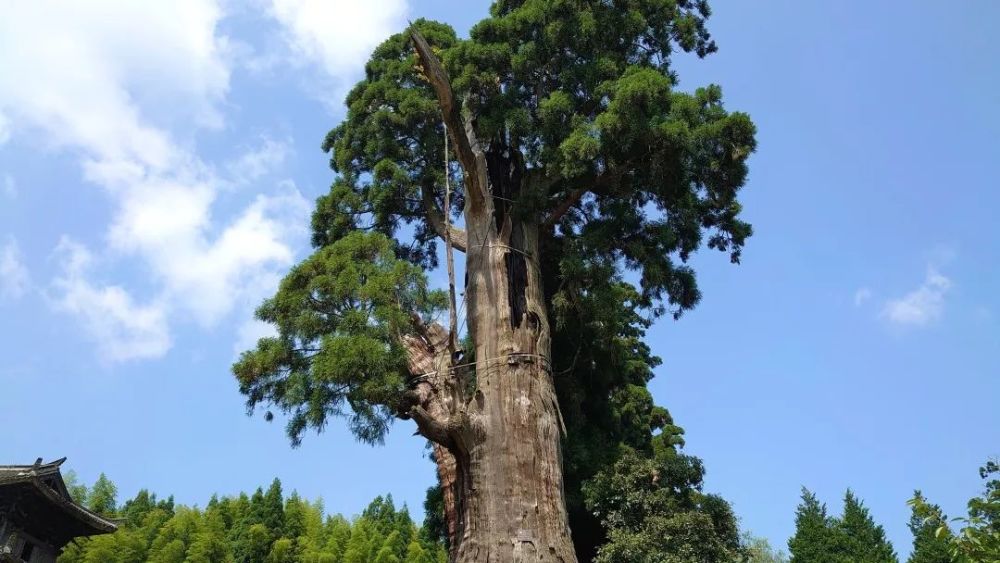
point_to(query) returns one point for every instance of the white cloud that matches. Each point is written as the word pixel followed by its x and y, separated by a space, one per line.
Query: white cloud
pixel 14 278
pixel 922 306
pixel 103 85
pixel 104 60
pixel 333 37
pixel 249 333
pixel 204 268
pixel 862 295
pixel 9 186
pixel 339 34
pixel 259 161
pixel 121 329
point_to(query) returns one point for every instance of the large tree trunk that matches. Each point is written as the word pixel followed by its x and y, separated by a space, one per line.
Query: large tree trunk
pixel 498 416
pixel 495 424
pixel 495 419
pixel 510 463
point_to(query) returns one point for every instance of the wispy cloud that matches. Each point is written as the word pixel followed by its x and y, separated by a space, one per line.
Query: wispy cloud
pixel 258 161
pixel 337 36
pixel 922 306
pixel 106 92
pixel 113 57
pixel 14 278
pixel 105 84
pixel 120 328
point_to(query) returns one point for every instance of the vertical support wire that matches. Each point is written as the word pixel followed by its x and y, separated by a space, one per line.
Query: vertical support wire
pixel 452 312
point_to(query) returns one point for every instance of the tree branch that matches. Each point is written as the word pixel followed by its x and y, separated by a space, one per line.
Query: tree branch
pixel 463 135
pixel 435 217
pixel 564 206
pixel 604 180
pixel 431 428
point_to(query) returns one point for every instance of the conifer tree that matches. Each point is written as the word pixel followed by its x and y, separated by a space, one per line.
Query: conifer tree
pixel 226 508
pixel 295 517
pixel 241 509
pixel 814 535
pixel 851 538
pixel 255 513
pixel 858 537
pixel 135 509
pixel 381 513
pixel 929 546
pixel 406 529
pixel 577 158
pixel 272 509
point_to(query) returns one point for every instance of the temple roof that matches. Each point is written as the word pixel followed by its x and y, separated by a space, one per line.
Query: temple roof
pixel 40 493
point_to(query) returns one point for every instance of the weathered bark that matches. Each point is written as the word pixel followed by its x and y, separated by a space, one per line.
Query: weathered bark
pixel 500 422
pixel 513 507
pixel 432 385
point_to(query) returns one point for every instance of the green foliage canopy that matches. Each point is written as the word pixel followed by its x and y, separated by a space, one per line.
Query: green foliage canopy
pixel 929 546
pixel 759 550
pixel 339 315
pixel 654 510
pixel 622 169
pixel 979 537
pixel 852 537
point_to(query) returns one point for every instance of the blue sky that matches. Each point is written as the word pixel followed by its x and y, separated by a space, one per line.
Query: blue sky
pixel 158 165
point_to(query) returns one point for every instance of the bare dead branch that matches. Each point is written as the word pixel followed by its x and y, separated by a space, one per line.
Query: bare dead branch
pixel 470 154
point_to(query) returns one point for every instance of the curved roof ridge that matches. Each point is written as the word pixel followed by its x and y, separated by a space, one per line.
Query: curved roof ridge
pixel 38 465
pixel 77 511
pixel 33 475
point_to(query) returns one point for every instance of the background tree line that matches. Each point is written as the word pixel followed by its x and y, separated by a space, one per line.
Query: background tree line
pixel 264 527
pixel 854 536
pixel 654 509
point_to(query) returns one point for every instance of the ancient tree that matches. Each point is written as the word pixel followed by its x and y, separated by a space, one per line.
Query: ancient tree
pixel 579 183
